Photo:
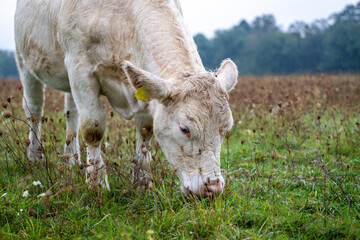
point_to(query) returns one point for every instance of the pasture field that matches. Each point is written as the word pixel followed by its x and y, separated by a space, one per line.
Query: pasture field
pixel 292 167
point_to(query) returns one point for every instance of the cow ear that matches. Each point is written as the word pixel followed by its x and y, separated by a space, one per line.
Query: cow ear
pixel 148 85
pixel 228 74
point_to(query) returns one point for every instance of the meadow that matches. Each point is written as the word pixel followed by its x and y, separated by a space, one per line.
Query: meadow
pixel 292 169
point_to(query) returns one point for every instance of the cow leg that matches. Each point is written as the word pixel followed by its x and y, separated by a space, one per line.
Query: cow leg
pixel 72 128
pixel 85 90
pixel 141 165
pixel 33 100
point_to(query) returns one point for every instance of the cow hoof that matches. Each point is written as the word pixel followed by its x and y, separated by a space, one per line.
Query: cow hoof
pixel 34 155
pixel 97 176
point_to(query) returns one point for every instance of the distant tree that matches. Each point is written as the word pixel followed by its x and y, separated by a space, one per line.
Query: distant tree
pixel 351 13
pixel 310 37
pixel 342 47
pixel 244 26
pixel 205 48
pixel 265 24
pixel 8 67
pixel 272 53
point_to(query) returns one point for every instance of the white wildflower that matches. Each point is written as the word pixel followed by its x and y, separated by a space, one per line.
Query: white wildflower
pixel 41 195
pixel 240 122
pixel 21 210
pixel 3 195
pixel 37 183
pixel 25 194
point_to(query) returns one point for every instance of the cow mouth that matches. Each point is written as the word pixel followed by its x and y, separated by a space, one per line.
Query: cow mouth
pixel 199 188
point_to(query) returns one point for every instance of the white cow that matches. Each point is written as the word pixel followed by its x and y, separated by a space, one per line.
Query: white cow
pixel 123 48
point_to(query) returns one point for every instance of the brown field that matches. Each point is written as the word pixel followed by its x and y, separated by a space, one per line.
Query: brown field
pixel 294 92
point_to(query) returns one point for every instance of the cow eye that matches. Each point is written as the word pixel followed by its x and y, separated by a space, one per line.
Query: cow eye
pixel 185 130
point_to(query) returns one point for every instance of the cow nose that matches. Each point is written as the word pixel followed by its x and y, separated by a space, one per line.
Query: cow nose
pixel 199 186
pixel 214 186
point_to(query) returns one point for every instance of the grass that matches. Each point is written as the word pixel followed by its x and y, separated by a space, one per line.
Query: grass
pixel 292 166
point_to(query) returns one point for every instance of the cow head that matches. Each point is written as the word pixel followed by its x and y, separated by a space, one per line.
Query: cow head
pixel 191 119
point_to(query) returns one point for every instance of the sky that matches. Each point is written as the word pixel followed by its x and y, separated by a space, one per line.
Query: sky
pixel 206 16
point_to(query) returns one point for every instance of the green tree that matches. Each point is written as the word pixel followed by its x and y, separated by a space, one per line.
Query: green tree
pixel 342 41
pixel 205 48
pixel 8 67
pixel 265 24
pixel 342 47
pixel 269 54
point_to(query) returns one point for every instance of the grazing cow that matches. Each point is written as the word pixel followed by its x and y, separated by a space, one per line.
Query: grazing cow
pixel 140 55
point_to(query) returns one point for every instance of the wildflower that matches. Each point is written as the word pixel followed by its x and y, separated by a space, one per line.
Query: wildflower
pixel 3 195
pixel 37 183
pixel 150 232
pixel 248 131
pixel 41 195
pixel 25 194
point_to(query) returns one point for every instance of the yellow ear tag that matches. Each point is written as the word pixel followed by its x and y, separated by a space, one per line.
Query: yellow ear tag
pixel 141 94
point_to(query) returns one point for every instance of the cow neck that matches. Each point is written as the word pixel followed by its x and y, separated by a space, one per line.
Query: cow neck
pixel 166 46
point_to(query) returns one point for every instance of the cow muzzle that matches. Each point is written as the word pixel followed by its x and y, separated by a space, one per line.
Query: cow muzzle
pixel 203 187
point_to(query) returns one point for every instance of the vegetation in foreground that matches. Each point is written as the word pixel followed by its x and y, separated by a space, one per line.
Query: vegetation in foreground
pixel 291 165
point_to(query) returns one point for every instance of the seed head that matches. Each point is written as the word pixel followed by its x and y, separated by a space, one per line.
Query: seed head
pixel 228 134
pixel 150 185
pixel 32 212
pixel 273 154
pixel 4 104
pixel 7 114
pixel 144 150
pixel 246 173
pixel 8 99
pixel 318 106
pixel 19 87
pixel 27 142
pixel 48 193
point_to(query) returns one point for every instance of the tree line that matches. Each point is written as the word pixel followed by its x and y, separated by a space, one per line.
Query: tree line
pixel 8 67
pixel 262 47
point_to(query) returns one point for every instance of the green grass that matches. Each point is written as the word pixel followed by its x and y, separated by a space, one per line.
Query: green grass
pixel 303 183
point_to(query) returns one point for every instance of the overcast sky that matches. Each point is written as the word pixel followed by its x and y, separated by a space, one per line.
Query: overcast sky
pixel 206 16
